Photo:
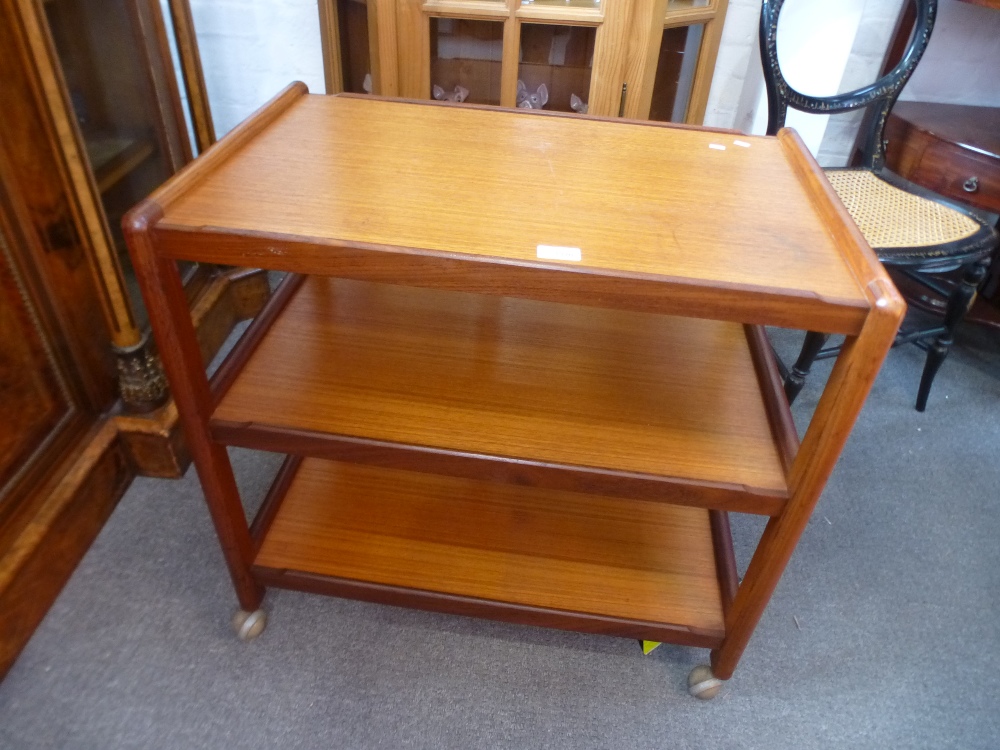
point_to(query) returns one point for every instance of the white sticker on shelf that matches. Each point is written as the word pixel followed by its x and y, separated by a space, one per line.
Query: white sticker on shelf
pixel 717 146
pixel 557 252
pixel 744 144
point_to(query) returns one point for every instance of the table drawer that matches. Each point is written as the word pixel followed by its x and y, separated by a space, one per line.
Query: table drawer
pixel 961 174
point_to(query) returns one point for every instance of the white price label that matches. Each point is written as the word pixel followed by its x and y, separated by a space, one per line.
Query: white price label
pixel 557 252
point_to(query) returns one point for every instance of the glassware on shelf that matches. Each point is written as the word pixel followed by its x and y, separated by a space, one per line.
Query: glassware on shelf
pixel 561 59
pixel 465 56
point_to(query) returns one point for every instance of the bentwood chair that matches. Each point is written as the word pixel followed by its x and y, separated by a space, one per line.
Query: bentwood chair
pixel 913 231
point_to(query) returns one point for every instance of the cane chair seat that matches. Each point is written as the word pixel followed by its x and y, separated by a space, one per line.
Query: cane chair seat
pixel 890 217
pixel 913 231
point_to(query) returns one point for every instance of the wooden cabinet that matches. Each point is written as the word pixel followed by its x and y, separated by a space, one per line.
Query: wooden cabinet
pixel 532 396
pixel 90 122
pixel 637 58
pixel 951 149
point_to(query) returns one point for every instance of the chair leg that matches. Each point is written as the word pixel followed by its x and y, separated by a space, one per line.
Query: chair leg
pixel 959 302
pixel 797 377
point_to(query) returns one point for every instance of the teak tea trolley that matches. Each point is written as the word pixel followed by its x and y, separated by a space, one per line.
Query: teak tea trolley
pixel 518 365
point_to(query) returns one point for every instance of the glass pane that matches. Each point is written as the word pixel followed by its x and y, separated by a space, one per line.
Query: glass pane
pixel 675 73
pixel 355 53
pixel 555 66
pixel 465 60
pixel 673 6
pixel 564 3
pixel 130 141
pixel 111 97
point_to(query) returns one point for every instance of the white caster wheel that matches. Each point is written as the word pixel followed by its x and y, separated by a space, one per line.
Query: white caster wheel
pixel 702 684
pixel 249 625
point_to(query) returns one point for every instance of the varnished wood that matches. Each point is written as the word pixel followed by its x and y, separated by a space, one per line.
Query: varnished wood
pixel 235 139
pixel 58 115
pixel 523 472
pixel 313 185
pixel 426 392
pixel 611 558
pixel 247 345
pixel 191 69
pixel 154 442
pixel 524 381
pixel 40 192
pixel 779 415
pixel 81 495
pixel 725 558
pixel 584 622
pixel 984 3
pixel 839 406
pixel 235 295
pixel 944 146
pixel 272 501
pixel 43 401
pixel 168 311
pixel 329 34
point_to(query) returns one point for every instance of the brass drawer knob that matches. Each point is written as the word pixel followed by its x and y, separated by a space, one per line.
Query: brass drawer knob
pixel 971 185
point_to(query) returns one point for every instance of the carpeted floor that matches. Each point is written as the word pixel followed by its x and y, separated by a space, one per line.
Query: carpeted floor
pixel 883 632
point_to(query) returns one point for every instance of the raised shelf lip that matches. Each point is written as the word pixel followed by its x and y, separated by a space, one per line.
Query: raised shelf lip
pixel 673 295
pixel 498 275
pixel 507 469
pixel 421 458
pixel 520 613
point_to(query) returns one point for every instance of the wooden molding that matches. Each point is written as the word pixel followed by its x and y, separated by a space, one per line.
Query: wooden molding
pixel 194 77
pixel 34 569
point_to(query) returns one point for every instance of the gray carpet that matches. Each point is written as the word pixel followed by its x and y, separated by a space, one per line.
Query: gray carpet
pixel 882 633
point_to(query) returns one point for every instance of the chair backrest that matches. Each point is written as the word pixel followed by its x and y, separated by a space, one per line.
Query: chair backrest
pixel 880 95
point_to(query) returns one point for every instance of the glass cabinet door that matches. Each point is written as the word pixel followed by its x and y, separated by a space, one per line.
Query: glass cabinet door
pixel 133 142
pixel 354 58
pixel 675 87
pixel 584 56
pixel 466 59
pixel 114 58
pixel 555 66
pixel 530 53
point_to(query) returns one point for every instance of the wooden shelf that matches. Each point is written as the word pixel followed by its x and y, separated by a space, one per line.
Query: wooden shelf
pixel 471 427
pixel 645 570
pixel 514 390
pixel 114 158
pixel 293 200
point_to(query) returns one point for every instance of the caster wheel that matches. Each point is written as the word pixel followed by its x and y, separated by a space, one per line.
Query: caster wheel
pixel 249 625
pixel 702 684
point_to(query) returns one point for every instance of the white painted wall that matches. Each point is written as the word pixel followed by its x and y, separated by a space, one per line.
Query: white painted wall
pixel 962 62
pixel 252 48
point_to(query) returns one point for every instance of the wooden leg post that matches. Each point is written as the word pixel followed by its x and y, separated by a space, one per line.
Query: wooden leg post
pixel 959 302
pixel 841 402
pixel 175 336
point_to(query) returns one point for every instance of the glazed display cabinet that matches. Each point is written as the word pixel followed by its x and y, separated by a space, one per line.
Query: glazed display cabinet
pixel 634 58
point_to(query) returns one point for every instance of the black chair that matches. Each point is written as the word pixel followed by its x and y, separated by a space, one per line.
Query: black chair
pixel 912 230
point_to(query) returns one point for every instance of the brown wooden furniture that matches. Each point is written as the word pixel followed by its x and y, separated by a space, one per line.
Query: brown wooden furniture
pixel 89 123
pixel 951 149
pixel 915 232
pixel 640 58
pixel 475 428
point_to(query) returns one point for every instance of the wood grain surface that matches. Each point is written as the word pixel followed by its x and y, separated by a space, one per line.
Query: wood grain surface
pixel 518 379
pixel 635 198
pixel 564 551
pixel 952 149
